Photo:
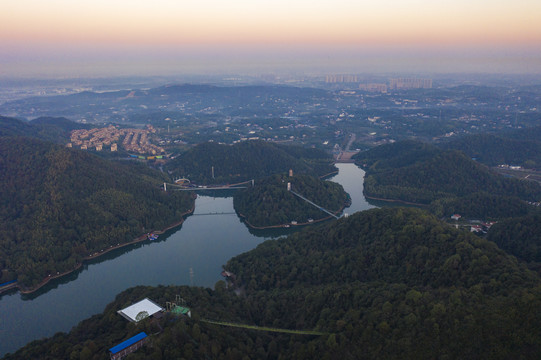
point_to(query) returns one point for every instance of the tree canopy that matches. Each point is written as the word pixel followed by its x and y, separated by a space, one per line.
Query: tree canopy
pixel 54 129
pixel 448 180
pixel 60 205
pixel 247 160
pixel 269 203
pixel 518 147
pixel 384 283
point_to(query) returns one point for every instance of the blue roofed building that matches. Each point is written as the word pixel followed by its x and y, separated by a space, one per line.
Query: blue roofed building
pixel 128 346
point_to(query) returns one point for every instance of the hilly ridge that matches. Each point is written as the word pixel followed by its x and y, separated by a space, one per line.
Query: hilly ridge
pixel 60 205
pixel 269 203
pixel 519 147
pixel 54 129
pixel 385 283
pixel 445 179
pixel 247 160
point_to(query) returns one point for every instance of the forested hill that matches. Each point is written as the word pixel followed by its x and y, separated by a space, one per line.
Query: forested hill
pixel 269 203
pixel 521 237
pixel 395 155
pixel 381 284
pixel 449 173
pixel 520 147
pixel 419 173
pixel 52 129
pixel 247 160
pixel 395 283
pixel 60 205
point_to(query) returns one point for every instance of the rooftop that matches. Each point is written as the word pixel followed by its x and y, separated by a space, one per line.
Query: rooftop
pixel 128 343
pixel 144 306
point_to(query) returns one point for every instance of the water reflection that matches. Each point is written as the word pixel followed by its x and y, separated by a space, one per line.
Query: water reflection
pixel 201 243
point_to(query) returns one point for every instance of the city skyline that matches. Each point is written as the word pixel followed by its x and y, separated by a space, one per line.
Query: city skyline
pixel 167 37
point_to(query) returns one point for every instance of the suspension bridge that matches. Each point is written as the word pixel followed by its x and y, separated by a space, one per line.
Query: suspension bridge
pixel 314 204
pixel 203 188
pixel 215 213
pixel 183 187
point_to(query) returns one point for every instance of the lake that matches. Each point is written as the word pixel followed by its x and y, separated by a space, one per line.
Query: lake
pixel 192 254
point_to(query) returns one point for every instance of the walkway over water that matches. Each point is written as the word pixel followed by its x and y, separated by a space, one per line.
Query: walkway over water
pixel 316 205
pixel 241 185
pixel 215 213
pixel 211 188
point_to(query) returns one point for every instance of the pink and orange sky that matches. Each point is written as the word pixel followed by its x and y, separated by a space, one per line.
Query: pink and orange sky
pixel 124 37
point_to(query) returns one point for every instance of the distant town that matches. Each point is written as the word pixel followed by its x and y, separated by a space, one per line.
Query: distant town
pixel 318 111
pixel 133 140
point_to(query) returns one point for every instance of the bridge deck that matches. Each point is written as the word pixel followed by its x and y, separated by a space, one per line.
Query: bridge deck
pixel 316 205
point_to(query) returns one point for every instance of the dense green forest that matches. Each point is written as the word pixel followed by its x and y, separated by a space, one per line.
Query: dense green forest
pixel 447 179
pixel 247 160
pixel 269 203
pixel 520 237
pixel 396 155
pixel 384 283
pixel 481 205
pixel 520 147
pixel 59 205
pixel 52 129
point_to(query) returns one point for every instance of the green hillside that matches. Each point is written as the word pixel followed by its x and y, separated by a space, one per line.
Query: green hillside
pixel 395 155
pixel 247 160
pixel 381 284
pixel 60 205
pixel 269 203
pixel 52 129
pixel 448 180
pixel 520 147
pixel 520 237
pixel 395 283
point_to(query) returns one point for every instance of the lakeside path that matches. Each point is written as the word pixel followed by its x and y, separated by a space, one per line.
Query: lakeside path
pixel 95 256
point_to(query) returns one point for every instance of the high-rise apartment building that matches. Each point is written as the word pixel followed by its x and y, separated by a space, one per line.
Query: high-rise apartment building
pixel 410 83
pixel 341 79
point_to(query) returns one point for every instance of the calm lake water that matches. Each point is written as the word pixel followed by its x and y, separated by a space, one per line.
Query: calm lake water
pixel 191 254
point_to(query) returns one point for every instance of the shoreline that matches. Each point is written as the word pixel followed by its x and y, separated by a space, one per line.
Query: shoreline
pixel 97 255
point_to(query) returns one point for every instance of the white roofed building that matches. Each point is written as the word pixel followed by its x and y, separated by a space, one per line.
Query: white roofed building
pixel 140 310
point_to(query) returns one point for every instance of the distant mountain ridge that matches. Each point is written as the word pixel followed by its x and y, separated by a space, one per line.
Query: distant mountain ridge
pixel 88 103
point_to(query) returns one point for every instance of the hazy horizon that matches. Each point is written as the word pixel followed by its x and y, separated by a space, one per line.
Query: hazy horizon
pixel 166 37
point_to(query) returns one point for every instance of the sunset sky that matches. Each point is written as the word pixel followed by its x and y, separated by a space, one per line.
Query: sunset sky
pixel 105 37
